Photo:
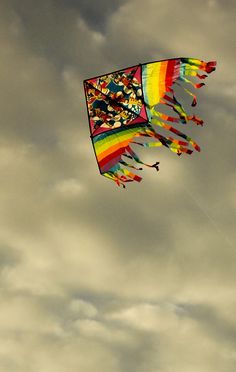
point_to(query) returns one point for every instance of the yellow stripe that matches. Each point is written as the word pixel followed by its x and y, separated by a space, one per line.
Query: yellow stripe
pixel 152 82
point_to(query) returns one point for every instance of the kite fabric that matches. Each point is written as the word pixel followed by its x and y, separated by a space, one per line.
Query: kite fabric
pixel 126 107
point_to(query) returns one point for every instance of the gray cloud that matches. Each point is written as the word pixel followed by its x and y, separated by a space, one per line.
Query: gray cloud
pixel 95 15
pixel 215 325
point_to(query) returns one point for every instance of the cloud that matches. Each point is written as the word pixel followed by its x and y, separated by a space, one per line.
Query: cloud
pixel 95 16
pixel 83 308
pixel 94 277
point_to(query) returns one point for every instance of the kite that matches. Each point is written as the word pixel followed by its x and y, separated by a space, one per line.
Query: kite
pixel 127 107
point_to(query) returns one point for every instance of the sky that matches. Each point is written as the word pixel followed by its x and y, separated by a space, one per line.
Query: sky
pixel 94 277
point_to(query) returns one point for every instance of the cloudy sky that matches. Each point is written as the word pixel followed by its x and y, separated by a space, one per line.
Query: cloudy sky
pixel 94 277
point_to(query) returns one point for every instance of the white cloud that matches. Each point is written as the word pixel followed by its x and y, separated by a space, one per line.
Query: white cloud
pixel 83 308
pixel 148 317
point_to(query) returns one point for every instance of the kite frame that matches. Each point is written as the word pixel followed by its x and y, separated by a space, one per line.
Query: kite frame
pixel 146 121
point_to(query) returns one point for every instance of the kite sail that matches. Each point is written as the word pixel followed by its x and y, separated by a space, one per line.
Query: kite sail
pixel 126 107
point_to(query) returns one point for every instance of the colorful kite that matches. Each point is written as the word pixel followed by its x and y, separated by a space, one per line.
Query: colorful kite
pixel 126 106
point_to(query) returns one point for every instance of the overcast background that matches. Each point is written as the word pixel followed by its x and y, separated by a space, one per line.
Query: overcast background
pixel 94 277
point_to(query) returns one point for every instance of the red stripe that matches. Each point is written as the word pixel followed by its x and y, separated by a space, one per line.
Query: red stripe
pixel 114 154
pixel 170 71
pixel 110 164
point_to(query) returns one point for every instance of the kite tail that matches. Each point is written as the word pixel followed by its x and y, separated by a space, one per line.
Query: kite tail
pixel 120 172
pixel 190 67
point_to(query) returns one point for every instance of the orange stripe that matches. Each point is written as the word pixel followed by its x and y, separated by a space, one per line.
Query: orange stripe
pixel 162 78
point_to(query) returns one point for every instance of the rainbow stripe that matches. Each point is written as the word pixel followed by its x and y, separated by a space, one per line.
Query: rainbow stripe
pixel 110 146
pixel 157 77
